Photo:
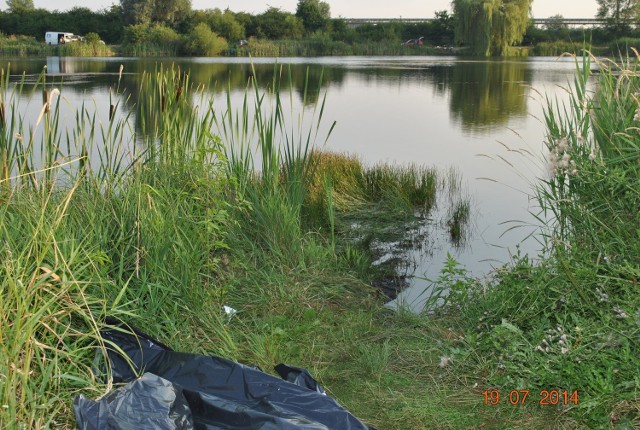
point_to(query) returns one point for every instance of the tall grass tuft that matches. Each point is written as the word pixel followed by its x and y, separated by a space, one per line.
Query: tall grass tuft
pixel 92 227
pixel 594 196
pixel 269 160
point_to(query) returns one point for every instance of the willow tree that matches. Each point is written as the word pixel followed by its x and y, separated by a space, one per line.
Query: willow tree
pixel 490 27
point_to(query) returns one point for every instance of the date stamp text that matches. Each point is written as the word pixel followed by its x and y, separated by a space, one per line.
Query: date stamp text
pixel 521 397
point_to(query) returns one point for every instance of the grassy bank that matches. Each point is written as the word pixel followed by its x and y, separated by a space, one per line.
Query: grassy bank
pixel 28 46
pixel 570 323
pixel 163 237
pixel 238 208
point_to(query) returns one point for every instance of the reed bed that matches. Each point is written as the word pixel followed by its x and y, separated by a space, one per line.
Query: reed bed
pixel 85 49
pixel 325 47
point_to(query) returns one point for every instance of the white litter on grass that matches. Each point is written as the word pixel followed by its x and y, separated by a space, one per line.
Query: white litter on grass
pixel 445 361
pixel 229 310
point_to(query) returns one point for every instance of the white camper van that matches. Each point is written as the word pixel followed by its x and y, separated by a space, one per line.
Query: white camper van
pixel 58 38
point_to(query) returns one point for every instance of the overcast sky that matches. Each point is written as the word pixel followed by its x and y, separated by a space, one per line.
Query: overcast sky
pixel 351 8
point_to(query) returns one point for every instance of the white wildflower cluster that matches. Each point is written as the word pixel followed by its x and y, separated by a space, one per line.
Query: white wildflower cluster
pixel 557 336
pixel 620 313
pixel 501 365
pixel 604 297
pixel 636 117
pixel 560 158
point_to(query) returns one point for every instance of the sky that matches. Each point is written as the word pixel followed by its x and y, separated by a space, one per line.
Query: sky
pixel 351 8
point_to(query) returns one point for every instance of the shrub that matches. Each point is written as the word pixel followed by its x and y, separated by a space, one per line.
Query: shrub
pixel 202 41
pixel 157 39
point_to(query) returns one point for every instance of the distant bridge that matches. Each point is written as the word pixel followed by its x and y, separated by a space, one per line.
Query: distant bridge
pixel 570 22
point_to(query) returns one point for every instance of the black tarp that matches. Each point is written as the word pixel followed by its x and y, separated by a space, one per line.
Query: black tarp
pixel 184 391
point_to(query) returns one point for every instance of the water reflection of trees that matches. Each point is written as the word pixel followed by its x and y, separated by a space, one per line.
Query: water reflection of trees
pixel 487 94
pixel 218 78
pixel 482 95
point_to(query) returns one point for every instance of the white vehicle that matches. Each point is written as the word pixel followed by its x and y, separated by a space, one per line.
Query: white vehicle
pixel 59 38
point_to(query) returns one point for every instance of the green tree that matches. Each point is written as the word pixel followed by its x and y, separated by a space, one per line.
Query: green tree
pixel 276 24
pixel 556 26
pixel 315 14
pixel 169 12
pixel 490 27
pixel 136 11
pixel 223 23
pixel 442 28
pixel 620 14
pixel 19 6
pixel 202 41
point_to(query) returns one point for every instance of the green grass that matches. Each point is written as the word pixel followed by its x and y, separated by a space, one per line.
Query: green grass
pixel 237 208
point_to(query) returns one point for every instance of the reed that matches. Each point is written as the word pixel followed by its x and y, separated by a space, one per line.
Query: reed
pixel 558 48
pixel 322 46
pixel 90 227
pixel 85 49
pixel 269 161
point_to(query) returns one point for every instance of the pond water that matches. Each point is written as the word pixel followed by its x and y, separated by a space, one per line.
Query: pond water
pixel 482 117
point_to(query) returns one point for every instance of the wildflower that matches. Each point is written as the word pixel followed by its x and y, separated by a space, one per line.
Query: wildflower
pixel 620 313
pixel 543 347
pixel 562 144
pixel 564 350
pixel 564 163
pixel 636 117
pixel 445 361
pixel 574 172
pixel 566 157
pixel 592 155
pixel 563 340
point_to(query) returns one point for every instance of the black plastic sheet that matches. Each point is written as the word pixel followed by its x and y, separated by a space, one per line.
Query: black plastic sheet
pixel 185 391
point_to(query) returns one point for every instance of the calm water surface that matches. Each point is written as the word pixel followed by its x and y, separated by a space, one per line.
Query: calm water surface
pixel 482 117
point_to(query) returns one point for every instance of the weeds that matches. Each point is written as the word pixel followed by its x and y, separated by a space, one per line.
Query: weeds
pixel 80 242
pixel 570 322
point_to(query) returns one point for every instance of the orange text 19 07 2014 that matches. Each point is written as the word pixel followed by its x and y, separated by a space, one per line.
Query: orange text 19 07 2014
pixel 521 397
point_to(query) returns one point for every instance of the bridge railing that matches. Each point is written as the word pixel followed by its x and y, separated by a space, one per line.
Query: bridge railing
pixel 570 22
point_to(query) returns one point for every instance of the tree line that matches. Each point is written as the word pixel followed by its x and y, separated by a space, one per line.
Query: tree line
pixel 484 27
